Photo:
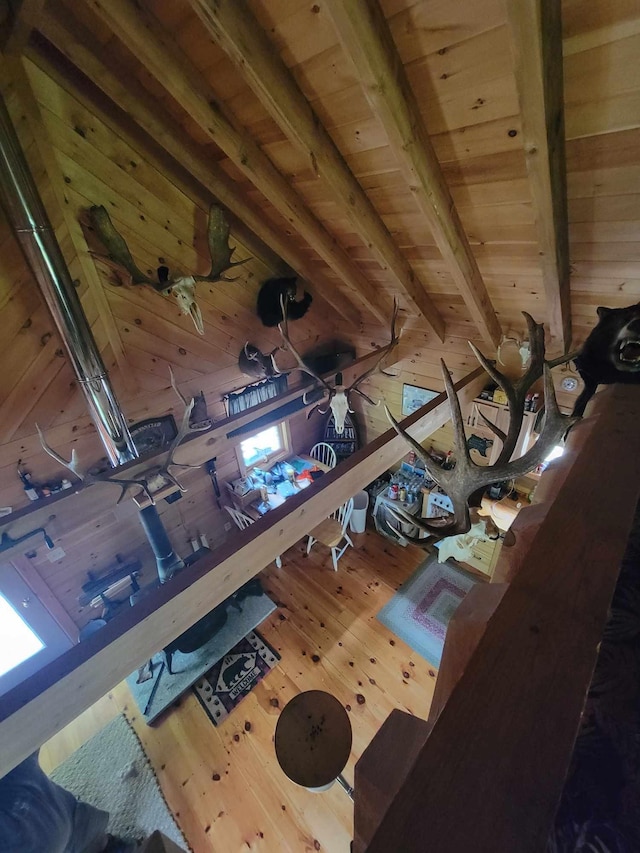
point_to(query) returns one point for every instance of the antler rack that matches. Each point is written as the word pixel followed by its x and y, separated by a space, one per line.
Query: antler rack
pixel 152 479
pixel 338 394
pixel 465 483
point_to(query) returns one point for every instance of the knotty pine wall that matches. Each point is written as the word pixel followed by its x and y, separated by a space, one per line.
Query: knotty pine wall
pixel 88 157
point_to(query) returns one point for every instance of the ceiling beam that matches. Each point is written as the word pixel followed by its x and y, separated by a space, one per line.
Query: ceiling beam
pixel 155 48
pixel 40 706
pixel 536 44
pixel 365 36
pixel 91 59
pixel 238 33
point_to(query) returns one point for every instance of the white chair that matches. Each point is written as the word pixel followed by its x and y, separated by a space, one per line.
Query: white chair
pixel 243 521
pixel 332 532
pixel 324 453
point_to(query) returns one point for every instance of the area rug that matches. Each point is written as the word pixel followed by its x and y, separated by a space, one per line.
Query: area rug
pixel 112 772
pixel 227 683
pixel 421 609
pixel 153 697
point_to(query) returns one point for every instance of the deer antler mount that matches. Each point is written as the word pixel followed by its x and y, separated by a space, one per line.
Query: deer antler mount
pixel 338 395
pixel 466 483
pixel 182 286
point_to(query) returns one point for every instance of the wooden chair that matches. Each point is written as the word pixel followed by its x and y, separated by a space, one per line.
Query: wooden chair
pixel 243 521
pixel 332 532
pixel 324 453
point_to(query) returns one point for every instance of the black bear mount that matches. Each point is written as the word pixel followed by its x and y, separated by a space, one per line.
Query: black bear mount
pixel 269 295
pixel 611 353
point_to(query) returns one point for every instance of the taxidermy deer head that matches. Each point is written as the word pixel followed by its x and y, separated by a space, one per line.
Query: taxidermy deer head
pixel 152 479
pixel 257 364
pixel 611 353
pixel 183 287
pixel 466 483
pixel 338 395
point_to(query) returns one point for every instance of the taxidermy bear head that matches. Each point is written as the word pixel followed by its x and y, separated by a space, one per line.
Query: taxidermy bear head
pixel 268 306
pixel 611 353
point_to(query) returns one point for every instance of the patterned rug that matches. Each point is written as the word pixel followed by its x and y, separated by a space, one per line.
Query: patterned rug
pixel 421 609
pixel 227 683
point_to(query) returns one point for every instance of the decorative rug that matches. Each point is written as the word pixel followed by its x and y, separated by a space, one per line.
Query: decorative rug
pixel 420 610
pixel 112 772
pixel 228 682
pixel 160 692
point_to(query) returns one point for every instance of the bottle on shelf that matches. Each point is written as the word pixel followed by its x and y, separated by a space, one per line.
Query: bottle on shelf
pixel 29 487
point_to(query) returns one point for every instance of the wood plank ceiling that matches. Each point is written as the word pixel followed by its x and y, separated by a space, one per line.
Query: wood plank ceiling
pixel 381 150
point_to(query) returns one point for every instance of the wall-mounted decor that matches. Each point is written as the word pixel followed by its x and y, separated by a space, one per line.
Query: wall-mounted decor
pixel 413 398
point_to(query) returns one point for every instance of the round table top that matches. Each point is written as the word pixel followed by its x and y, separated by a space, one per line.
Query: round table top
pixel 313 739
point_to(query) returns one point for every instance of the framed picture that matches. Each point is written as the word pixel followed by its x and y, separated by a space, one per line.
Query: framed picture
pixel 413 398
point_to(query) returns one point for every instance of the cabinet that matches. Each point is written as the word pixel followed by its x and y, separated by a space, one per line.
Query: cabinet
pixel 499 415
pixel 345 443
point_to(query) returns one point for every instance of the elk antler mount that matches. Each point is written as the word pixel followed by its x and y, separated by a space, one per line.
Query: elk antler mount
pixel 153 478
pixel 338 395
pixel 183 286
pixel 466 483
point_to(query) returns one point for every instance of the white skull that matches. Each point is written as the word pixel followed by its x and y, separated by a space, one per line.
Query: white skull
pixel 185 290
pixel 339 406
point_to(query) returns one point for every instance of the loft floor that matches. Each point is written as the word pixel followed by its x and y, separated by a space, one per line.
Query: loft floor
pixel 224 784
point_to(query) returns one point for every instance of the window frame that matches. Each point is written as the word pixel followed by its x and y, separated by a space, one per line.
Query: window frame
pixel 272 458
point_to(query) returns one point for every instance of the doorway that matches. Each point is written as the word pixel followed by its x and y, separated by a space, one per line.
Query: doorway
pixel 30 637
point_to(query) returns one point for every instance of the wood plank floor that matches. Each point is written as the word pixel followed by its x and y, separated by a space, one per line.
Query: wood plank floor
pixel 224 784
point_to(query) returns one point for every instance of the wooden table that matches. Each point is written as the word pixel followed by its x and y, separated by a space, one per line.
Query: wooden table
pixel 276 500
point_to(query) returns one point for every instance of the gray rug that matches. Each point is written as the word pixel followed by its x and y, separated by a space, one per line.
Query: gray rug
pixel 112 772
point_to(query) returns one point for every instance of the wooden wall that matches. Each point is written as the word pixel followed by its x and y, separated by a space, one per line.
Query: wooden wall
pixel 91 159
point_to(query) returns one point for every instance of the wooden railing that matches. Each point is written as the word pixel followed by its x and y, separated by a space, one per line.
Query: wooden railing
pixel 489 766
pixel 43 704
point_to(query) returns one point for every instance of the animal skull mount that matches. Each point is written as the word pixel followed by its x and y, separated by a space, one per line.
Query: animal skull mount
pixel 183 286
pixel 465 484
pixel 152 479
pixel 338 394
pixel 184 289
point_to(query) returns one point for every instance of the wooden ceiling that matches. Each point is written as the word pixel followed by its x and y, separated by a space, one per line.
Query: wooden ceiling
pixel 409 150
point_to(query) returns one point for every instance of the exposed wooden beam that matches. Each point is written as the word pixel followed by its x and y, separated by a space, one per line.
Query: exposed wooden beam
pixel 536 42
pixel 15 80
pixel 524 689
pixel 22 16
pixel 238 33
pixel 41 706
pixel 74 42
pixel 157 51
pixel 365 35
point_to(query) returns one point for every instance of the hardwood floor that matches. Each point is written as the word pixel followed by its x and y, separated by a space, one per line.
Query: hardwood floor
pixel 224 784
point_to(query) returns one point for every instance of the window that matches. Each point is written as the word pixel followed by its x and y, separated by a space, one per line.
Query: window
pixel 17 641
pixel 263 447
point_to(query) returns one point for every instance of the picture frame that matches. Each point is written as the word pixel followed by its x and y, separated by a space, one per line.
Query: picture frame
pixel 413 397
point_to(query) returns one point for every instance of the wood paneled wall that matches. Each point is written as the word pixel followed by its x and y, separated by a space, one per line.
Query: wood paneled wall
pixel 95 161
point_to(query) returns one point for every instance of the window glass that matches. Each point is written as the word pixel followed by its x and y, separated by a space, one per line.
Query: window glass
pixel 261 446
pixel 17 641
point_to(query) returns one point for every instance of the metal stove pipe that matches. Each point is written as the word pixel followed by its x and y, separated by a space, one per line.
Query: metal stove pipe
pixel 28 218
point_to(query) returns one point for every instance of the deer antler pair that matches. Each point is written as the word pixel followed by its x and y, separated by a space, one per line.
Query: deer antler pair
pixel 183 287
pixel 466 482
pixel 153 478
pixel 338 394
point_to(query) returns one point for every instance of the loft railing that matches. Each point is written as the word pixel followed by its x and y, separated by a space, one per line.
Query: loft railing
pixel 486 772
